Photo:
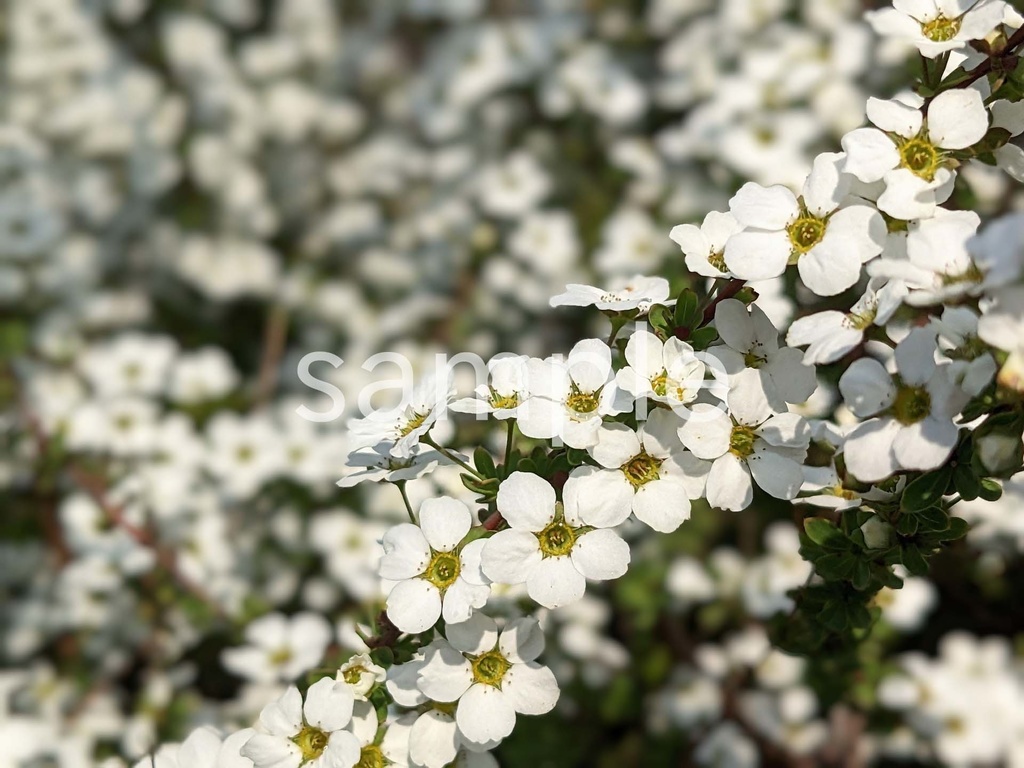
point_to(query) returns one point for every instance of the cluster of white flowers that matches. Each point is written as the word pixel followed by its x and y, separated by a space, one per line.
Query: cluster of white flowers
pixel 192 198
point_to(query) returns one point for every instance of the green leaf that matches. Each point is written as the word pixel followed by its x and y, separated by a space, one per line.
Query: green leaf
pixel 824 534
pixel 990 490
pixel 957 529
pixel 861 575
pixel 484 462
pixel 966 482
pixel 932 519
pixel 914 561
pixel 835 567
pixel 703 338
pixel 925 491
pixel 833 615
pixel 687 314
pixel 906 525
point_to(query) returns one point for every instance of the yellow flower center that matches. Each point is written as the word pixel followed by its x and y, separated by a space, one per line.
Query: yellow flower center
pixel 717 260
pixel 582 402
pixel 920 157
pixel 557 539
pixel 499 401
pixel 443 570
pixel 414 422
pixel 312 742
pixel 940 29
pixel 741 441
pixel 352 675
pixel 805 233
pixel 490 668
pixel 281 656
pixel 912 404
pixel 641 469
pixel 371 757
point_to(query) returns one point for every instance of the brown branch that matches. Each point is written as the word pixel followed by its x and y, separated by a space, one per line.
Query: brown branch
pixel 96 488
pixel 731 288
pixel 275 336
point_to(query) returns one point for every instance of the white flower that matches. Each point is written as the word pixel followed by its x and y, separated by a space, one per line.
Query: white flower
pixel 1002 326
pixel 646 472
pixel 401 428
pixel 493 677
pixel 513 187
pixel 913 426
pixel 377 465
pixel 667 372
pixel 911 152
pixel 972 367
pixel 129 364
pixel 360 674
pixel 638 293
pixel 938 266
pixel 752 342
pixel 546 545
pixel 203 748
pixel 830 335
pixel 504 394
pixel 746 441
pixel 704 246
pixel 437 575
pixel 570 396
pixel 824 232
pixel 311 735
pixel 280 648
pixel 392 748
pixel 938 26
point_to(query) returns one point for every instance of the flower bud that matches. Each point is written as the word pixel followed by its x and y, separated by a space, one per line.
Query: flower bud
pixel 877 533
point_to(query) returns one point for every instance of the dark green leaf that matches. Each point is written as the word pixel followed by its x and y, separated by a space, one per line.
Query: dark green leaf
pixel 990 490
pixel 925 490
pixel 914 561
pixel 824 534
pixel 687 314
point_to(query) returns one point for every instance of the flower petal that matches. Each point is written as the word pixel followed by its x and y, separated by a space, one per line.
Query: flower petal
pixel 444 521
pixel 509 556
pixel 530 688
pixel 600 555
pixel 526 501
pixel 414 605
pixel 555 582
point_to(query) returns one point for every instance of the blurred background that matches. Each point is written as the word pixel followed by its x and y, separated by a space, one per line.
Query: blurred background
pixel 194 194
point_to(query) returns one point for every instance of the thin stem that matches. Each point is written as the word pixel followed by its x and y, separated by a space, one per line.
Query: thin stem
pixel 510 438
pixel 405 498
pixel 1015 41
pixel 275 337
pixel 449 455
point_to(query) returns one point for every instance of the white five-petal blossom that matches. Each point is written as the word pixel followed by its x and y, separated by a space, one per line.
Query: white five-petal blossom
pixel 913 426
pixel 910 150
pixel 825 232
pixel 668 372
pixel 646 472
pixel 831 334
pixel 704 246
pixel 637 293
pixel 547 546
pixel 492 676
pixel 311 734
pixel 747 441
pixel 937 26
pixel 436 574
pixel 570 396
pixel 751 341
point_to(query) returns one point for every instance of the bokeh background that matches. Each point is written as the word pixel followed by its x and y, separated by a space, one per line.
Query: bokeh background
pixel 195 194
